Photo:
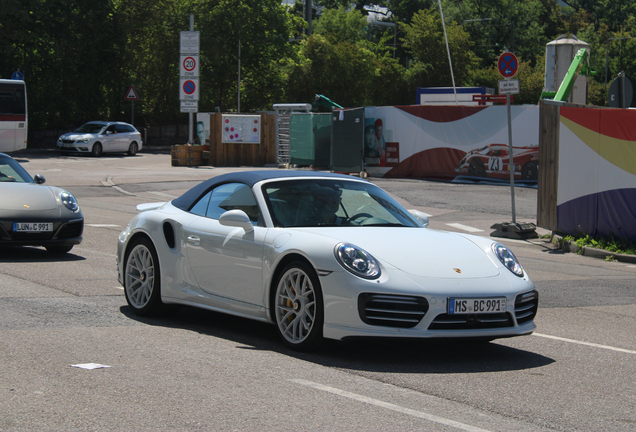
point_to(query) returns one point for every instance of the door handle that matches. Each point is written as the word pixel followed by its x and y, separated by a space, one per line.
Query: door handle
pixel 194 240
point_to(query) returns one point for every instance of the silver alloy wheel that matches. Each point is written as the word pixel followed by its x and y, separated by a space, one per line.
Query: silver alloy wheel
pixel 140 276
pixel 295 306
pixel 132 150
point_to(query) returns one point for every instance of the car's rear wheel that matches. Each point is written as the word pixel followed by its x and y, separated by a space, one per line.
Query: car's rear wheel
pixel 530 171
pixel 142 278
pixel 132 150
pixel 58 249
pixel 97 150
pixel 298 307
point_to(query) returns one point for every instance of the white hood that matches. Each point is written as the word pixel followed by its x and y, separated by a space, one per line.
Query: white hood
pixel 419 251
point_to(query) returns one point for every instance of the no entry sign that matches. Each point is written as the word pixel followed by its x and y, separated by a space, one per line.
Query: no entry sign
pixel 507 65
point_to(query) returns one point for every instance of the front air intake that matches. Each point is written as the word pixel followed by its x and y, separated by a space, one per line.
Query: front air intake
pixel 391 310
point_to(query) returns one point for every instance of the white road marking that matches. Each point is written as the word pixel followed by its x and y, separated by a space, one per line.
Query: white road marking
pixel 389 406
pixel 611 348
pixel 123 191
pixel 465 227
pixel 103 225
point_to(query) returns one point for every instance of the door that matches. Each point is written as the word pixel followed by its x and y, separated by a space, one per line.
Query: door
pixel 109 139
pixel 227 261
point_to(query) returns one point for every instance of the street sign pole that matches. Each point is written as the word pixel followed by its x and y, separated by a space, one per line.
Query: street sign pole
pixel 191 115
pixel 511 164
pixel 507 66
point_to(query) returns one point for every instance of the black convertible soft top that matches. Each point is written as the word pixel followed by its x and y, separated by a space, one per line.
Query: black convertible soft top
pixel 249 178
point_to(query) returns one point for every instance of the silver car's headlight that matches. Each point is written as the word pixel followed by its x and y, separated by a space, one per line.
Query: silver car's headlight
pixel 357 261
pixel 507 258
pixel 69 201
pixel 84 140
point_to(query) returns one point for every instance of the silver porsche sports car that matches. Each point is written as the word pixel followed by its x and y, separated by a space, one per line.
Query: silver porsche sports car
pixel 32 214
pixel 320 255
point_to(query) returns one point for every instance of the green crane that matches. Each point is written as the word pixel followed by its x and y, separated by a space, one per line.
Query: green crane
pixel 580 65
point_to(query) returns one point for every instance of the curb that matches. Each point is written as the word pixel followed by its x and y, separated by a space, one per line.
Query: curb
pixel 567 246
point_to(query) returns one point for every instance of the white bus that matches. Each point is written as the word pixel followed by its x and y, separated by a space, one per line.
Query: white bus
pixel 13 115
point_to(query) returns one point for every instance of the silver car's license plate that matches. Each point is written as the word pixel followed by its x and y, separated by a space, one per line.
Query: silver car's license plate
pixel 32 226
pixel 458 306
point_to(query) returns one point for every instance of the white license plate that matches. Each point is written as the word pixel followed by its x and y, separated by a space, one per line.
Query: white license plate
pixel 457 306
pixel 32 226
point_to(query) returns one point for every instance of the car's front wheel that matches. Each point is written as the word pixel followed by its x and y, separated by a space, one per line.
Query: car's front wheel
pixel 298 307
pixel 97 150
pixel 132 150
pixel 142 278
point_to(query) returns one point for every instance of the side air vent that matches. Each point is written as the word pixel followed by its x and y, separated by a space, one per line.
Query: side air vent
pixel 391 310
pixel 168 233
pixel 526 306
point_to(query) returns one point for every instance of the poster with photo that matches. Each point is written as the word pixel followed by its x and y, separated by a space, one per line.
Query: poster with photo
pixel 202 129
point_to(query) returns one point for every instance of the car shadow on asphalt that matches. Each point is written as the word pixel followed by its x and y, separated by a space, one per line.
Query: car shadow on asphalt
pixel 35 254
pixel 364 355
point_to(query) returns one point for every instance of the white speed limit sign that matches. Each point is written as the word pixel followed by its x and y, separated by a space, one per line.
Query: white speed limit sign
pixel 189 66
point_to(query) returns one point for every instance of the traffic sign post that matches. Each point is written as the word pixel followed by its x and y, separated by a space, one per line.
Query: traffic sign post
pixel 132 96
pixel 189 74
pixel 508 65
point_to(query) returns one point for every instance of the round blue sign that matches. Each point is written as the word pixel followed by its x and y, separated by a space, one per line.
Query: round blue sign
pixel 507 65
pixel 189 87
pixel 17 75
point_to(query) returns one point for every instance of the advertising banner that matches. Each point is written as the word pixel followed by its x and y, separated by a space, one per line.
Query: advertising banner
pixel 597 172
pixel 241 128
pixel 449 141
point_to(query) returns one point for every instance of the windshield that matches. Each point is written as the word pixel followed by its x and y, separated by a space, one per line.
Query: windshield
pixel 92 128
pixel 320 202
pixel 11 171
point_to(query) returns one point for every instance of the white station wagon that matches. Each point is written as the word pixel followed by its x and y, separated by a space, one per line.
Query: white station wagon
pixel 99 137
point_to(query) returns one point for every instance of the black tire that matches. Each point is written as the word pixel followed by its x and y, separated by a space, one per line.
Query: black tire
pixel 142 278
pixel 132 150
pixel 530 171
pixel 97 150
pixel 477 168
pixel 298 308
pixel 58 249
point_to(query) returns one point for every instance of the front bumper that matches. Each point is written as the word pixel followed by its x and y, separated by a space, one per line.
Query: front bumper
pixel 75 148
pixel 65 233
pixel 398 305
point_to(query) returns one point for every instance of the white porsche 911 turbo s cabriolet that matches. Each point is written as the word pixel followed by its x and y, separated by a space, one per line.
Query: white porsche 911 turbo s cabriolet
pixel 320 255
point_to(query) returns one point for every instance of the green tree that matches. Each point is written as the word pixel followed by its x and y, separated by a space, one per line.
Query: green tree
pixel 263 28
pixel 424 39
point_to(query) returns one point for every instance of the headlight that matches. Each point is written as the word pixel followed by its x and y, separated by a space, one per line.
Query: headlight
pixel 507 258
pixel 85 140
pixel 59 139
pixel 69 202
pixel 357 261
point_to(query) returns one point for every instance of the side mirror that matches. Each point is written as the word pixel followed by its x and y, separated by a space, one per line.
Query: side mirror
pixel 108 133
pixel 420 217
pixel 39 179
pixel 237 218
